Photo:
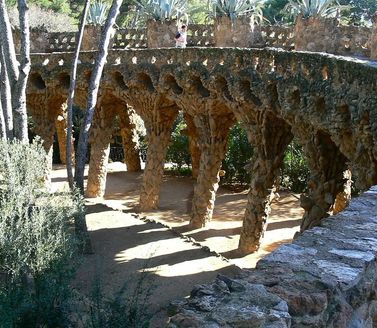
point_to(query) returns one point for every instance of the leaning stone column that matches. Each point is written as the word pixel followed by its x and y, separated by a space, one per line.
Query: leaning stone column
pixel 212 144
pixel 61 131
pixel 130 139
pixel 44 127
pixel 158 138
pixel 329 183
pixel 99 152
pixel 270 137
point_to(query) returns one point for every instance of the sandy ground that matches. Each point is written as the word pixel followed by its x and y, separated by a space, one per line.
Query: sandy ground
pixel 127 245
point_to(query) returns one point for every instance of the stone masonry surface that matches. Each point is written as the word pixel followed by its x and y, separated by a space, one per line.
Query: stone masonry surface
pixel 325 278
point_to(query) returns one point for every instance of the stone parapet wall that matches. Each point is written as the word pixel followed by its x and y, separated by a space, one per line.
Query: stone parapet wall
pixel 325 278
pixel 130 38
pixel 326 35
pixel 278 36
pixel 341 40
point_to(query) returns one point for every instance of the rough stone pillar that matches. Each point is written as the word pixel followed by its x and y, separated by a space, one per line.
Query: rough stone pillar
pixel 343 197
pixel 193 145
pixel 242 33
pixel 100 137
pixel 213 135
pixel 130 139
pixel 92 37
pixel 329 184
pixel 317 34
pixel 161 34
pixel 270 136
pixel 158 137
pixel 61 131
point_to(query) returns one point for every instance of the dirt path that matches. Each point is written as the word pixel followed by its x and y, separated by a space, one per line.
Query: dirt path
pixel 127 246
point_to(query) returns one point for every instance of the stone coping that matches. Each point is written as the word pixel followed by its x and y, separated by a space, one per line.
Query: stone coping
pixel 326 278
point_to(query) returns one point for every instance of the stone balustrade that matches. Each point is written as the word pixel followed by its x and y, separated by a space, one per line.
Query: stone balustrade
pixel 327 37
pixel 325 278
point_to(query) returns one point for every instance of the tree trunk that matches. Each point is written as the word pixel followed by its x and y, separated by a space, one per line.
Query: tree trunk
pixel 3 130
pixel 6 41
pixel 19 94
pixel 17 76
pixel 71 94
pixel 93 92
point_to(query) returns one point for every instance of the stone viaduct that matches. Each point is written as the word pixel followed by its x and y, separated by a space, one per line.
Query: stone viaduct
pixel 327 102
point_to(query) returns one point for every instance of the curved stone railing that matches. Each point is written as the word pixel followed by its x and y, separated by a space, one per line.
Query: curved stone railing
pixel 341 40
pixel 325 278
pixel 279 36
pixel 130 38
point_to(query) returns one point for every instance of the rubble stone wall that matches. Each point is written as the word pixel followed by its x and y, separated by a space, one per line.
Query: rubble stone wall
pixel 325 278
pixel 326 35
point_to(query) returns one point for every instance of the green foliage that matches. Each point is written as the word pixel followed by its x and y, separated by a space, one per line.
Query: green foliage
pixel 97 13
pixel 274 12
pixel 161 10
pixel 315 8
pixel 36 244
pixel 178 152
pixel 295 172
pixel 236 8
pixel 359 12
pixel 238 155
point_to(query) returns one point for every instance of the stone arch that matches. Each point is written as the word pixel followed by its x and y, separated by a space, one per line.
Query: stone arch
pixel 158 113
pixel 110 109
pixel 36 81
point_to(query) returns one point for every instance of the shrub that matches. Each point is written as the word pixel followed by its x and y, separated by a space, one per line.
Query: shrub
pixel 36 244
pixel 97 13
pixel 315 8
pixel 236 8
pixel 238 155
pixel 161 10
pixel 295 172
pixel 178 152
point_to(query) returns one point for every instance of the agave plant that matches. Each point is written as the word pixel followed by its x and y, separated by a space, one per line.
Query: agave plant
pixel 161 10
pixel 97 13
pixel 236 8
pixel 315 8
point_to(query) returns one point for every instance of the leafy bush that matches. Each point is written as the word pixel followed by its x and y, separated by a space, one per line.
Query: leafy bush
pixel 178 152
pixel 295 172
pixel 235 8
pixel 315 8
pixel 97 13
pixel 36 244
pixel 162 10
pixel 238 155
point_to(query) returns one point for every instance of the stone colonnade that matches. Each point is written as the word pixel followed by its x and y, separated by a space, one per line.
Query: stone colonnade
pixel 270 94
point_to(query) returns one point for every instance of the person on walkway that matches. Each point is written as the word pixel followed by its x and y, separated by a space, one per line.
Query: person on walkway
pixel 181 37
